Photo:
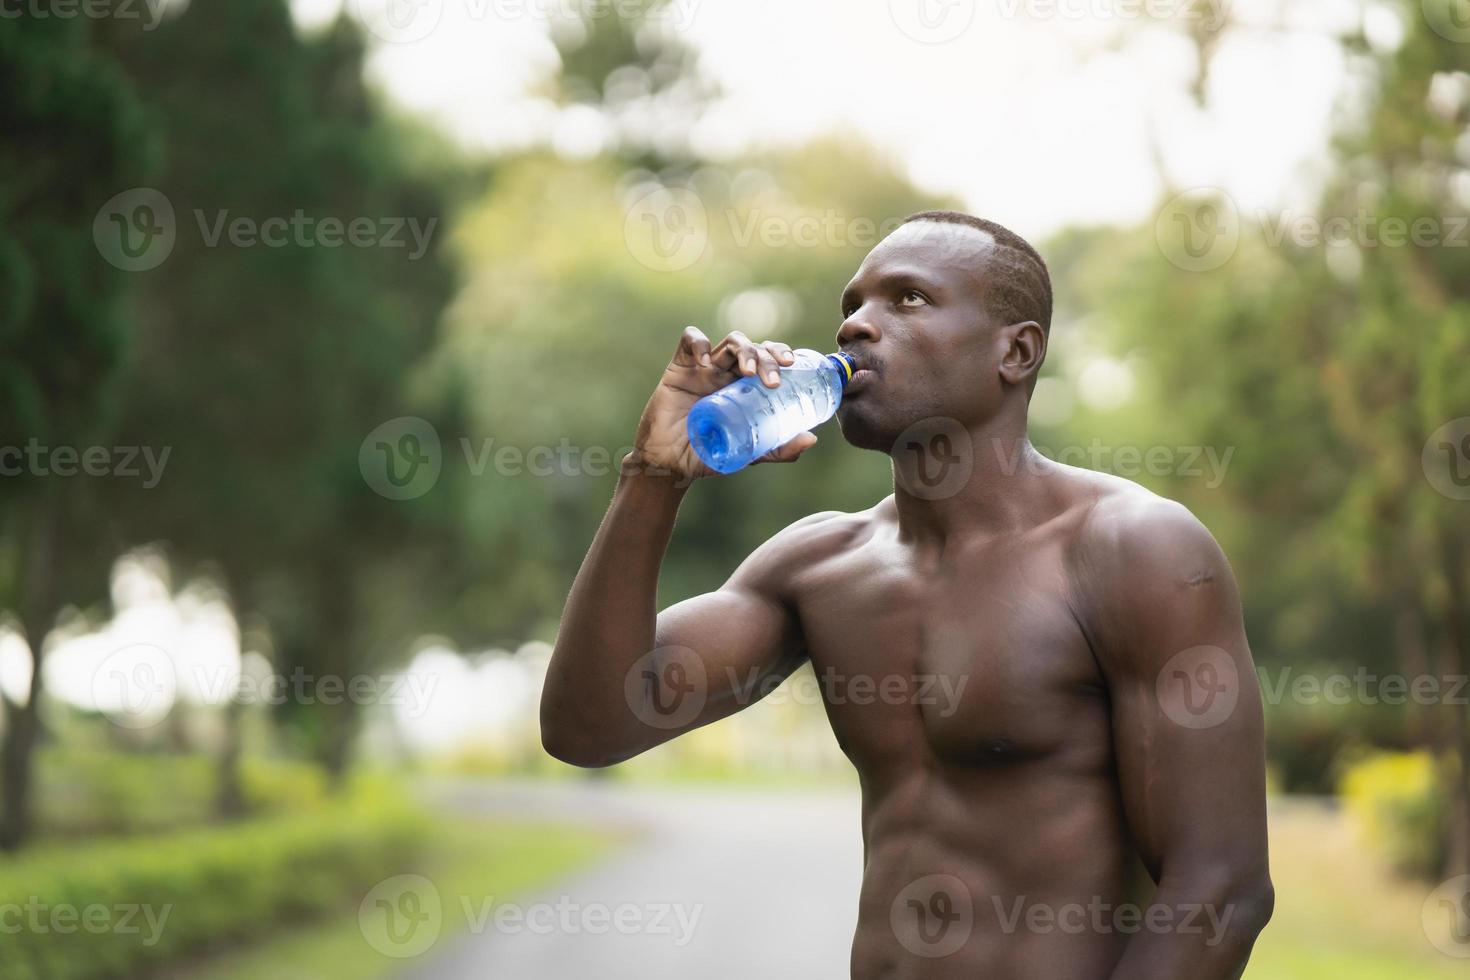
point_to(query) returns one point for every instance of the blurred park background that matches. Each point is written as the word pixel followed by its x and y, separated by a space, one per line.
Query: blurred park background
pixel 322 327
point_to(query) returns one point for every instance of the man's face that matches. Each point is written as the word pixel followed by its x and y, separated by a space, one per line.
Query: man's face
pixel 915 317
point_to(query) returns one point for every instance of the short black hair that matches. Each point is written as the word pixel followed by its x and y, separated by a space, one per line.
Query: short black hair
pixel 1020 286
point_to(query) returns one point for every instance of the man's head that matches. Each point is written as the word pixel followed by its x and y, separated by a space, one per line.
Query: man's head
pixel 951 314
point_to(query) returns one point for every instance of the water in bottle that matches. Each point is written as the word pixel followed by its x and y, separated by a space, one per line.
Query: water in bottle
pixel 745 420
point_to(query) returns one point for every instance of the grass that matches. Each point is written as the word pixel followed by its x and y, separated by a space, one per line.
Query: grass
pixel 473 859
pixel 1339 914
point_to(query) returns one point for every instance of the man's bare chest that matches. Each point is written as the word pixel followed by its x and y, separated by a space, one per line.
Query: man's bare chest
pixel 979 662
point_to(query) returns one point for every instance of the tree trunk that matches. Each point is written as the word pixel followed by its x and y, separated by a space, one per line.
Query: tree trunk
pixel 229 795
pixel 16 752
pixel 229 798
pixel 1413 654
pixel 336 631
pixel 23 722
pixel 1456 746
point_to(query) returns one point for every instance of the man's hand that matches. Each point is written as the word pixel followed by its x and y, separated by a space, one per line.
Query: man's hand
pixel 698 369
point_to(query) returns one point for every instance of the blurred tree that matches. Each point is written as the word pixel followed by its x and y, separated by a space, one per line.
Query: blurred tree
pixel 74 136
pixel 631 66
pixel 1327 367
pixel 1396 375
pixel 287 352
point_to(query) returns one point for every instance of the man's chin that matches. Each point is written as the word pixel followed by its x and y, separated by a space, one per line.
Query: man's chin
pixel 861 433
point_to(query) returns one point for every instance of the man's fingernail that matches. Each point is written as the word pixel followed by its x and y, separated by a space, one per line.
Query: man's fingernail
pixel 772 376
pixel 704 359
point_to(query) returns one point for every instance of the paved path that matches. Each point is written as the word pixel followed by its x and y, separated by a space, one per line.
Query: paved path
pixel 766 882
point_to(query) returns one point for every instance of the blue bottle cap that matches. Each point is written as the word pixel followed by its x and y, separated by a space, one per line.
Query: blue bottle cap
pixel 845 365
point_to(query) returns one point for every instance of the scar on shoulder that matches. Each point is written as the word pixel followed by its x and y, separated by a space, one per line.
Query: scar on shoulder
pixel 1201 577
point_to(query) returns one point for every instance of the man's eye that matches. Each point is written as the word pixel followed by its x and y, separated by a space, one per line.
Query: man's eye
pixel 912 297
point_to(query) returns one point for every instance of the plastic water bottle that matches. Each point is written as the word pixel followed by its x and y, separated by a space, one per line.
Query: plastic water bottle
pixel 745 420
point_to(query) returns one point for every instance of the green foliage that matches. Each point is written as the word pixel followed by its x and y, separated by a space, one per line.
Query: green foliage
pixel 563 327
pixel 108 793
pixel 1395 800
pixel 1307 744
pixel 287 355
pixel 218 886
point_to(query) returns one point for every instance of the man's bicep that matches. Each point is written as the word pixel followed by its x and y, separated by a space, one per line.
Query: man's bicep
pixel 1187 721
pixel 736 638
pixel 729 648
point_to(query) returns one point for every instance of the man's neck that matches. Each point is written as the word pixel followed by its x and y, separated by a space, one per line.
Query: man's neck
pixel 947 491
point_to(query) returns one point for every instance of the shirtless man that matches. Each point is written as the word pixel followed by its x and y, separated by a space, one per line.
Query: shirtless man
pixel 1103 718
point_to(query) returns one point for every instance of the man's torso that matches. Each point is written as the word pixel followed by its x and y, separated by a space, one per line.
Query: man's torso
pixel 962 687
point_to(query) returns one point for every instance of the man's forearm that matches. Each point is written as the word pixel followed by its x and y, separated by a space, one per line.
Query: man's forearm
pixel 609 623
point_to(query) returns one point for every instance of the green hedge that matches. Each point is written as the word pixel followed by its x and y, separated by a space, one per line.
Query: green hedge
pixel 204 888
pixel 87 794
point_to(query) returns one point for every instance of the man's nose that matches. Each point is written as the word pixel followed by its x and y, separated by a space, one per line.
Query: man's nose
pixel 855 328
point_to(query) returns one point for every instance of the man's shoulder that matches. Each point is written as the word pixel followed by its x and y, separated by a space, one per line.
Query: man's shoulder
pixel 1139 565
pixel 825 533
pixel 1129 534
pixel 806 543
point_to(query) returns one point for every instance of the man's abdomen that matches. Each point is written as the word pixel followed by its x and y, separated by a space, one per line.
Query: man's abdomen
pixel 1014 870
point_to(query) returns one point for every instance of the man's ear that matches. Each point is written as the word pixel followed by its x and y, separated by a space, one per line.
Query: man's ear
pixel 1024 351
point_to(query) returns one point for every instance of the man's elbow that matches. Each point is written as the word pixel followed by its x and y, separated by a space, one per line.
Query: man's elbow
pixel 564 744
pixel 1243 904
pixel 1256 901
pixel 570 742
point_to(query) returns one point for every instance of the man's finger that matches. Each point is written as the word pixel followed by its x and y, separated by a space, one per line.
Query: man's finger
pixel 767 366
pixel 791 451
pixel 694 348
pixel 735 353
pixel 783 353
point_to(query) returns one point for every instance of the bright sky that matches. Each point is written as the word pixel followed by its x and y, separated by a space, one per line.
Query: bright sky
pixel 1037 113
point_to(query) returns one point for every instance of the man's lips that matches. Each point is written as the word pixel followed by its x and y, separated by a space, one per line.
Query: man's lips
pixel 860 378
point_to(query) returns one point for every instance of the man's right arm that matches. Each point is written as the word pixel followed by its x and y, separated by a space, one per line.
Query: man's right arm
pixel 623 677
